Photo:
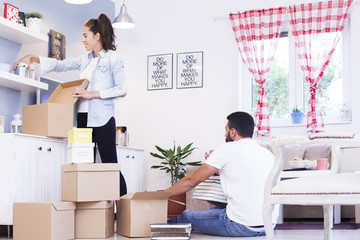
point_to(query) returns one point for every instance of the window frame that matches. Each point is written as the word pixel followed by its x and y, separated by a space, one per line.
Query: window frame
pixel 295 74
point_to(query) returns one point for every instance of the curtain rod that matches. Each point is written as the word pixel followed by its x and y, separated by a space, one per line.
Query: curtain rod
pixel 225 16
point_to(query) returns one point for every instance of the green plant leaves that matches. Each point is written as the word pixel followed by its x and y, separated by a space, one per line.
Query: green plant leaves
pixel 173 161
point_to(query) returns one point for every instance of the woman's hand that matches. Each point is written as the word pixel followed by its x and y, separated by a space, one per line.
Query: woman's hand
pixel 82 93
pixel 28 59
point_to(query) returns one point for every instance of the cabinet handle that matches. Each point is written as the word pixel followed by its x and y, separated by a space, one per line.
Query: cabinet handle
pixel 133 157
pixel 127 156
pixel 39 148
pixel 49 149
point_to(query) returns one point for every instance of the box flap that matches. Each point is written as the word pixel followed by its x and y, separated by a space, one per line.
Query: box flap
pixel 147 195
pixel 61 206
pixel 94 205
pixel 63 92
pixel 91 167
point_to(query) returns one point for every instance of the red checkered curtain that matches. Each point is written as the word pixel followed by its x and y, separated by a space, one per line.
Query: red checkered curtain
pixel 257 33
pixel 317 29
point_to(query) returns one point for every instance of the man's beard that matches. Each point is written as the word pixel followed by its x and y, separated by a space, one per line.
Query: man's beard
pixel 228 139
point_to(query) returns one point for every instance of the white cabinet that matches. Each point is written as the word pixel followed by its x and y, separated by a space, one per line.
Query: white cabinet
pixel 30 170
pixel 23 35
pixel 132 167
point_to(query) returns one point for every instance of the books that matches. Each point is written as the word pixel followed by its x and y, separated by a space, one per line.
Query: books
pixel 179 231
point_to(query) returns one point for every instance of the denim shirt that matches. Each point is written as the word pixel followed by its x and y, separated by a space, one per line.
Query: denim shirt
pixel 108 78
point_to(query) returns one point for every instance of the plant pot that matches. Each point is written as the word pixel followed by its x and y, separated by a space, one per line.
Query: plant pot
pixel 175 209
pixel 34 24
pixel 297 117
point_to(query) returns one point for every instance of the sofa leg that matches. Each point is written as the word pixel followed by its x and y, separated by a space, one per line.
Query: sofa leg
pixel 357 214
pixel 328 221
pixel 267 219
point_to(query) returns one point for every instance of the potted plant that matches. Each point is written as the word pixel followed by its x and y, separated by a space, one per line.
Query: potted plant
pixel 33 20
pixel 297 116
pixel 172 162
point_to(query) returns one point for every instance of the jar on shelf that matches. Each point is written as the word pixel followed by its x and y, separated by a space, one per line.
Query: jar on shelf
pixel 16 124
pixel 345 113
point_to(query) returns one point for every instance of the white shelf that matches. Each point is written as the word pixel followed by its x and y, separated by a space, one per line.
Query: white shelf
pixel 13 81
pixel 20 34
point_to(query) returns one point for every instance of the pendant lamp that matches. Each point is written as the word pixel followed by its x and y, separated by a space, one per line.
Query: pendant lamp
pixel 78 1
pixel 123 20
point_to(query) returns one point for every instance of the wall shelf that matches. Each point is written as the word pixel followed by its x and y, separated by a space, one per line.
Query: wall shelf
pixel 13 81
pixel 20 34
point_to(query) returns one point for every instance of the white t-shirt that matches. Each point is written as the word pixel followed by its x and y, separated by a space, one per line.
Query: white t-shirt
pixel 87 73
pixel 244 166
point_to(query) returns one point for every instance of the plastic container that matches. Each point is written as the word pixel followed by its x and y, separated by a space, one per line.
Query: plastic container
pixel 80 135
pixel 80 153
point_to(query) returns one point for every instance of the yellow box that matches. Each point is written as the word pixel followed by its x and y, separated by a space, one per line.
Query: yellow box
pixel 80 135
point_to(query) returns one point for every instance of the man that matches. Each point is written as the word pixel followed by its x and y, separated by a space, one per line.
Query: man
pixel 244 166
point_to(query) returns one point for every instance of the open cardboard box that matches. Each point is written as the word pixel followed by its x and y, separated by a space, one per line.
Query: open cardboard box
pixel 136 211
pixel 44 220
pixel 54 118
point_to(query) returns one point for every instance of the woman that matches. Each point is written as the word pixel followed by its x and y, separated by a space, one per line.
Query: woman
pixel 103 67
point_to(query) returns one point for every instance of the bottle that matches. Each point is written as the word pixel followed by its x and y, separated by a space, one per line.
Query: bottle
pixel 345 113
pixel 16 124
pixel 2 124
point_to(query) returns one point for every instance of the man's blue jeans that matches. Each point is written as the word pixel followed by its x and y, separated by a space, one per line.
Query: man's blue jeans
pixel 215 222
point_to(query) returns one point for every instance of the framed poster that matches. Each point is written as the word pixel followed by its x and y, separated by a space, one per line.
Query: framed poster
pixel 11 12
pixel 190 70
pixel 159 72
pixel 57 45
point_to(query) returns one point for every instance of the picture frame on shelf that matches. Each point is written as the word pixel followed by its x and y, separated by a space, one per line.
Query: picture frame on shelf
pixel 21 20
pixel 11 12
pixel 189 70
pixel 160 72
pixel 57 47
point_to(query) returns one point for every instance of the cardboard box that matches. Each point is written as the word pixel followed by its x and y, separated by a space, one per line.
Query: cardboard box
pixel 80 153
pixel 54 118
pixel 44 221
pixel 80 135
pixel 136 211
pixel 88 182
pixel 94 219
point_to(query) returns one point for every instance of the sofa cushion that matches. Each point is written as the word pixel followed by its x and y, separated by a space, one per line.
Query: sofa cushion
pixel 325 184
pixel 315 151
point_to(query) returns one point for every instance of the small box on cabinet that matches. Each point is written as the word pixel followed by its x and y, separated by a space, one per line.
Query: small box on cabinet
pixel 44 220
pixel 88 182
pixel 80 135
pixel 94 219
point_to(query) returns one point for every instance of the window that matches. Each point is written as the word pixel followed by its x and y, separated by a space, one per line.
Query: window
pixel 286 86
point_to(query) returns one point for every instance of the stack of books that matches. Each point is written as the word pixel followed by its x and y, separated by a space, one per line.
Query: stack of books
pixel 210 190
pixel 180 231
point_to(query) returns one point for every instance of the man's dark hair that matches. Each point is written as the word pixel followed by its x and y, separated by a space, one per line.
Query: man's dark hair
pixel 242 122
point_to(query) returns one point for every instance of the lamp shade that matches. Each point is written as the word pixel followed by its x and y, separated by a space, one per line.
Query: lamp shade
pixel 78 1
pixel 123 20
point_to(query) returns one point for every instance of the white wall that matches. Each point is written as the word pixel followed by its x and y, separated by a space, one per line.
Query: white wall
pixel 192 115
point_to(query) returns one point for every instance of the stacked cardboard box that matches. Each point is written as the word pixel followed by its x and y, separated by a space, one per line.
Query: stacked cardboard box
pixel 210 190
pixel 181 231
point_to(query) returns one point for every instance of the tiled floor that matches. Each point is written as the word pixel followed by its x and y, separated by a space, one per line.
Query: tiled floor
pixel 279 234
